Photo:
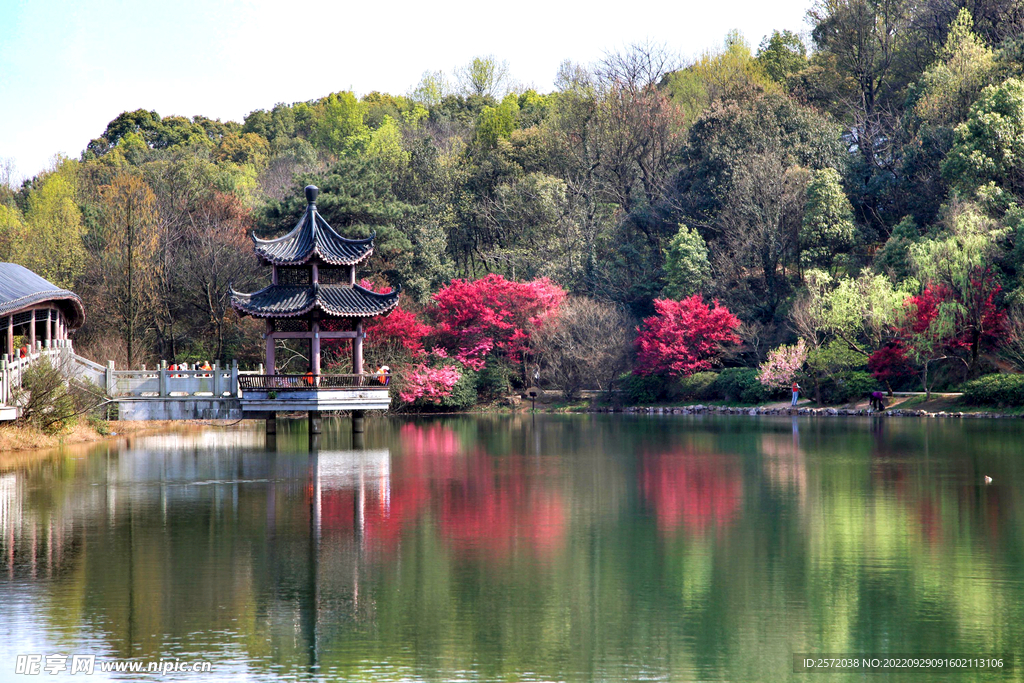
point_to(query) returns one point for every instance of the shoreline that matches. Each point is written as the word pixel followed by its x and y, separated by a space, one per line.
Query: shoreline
pixel 18 443
pixel 701 409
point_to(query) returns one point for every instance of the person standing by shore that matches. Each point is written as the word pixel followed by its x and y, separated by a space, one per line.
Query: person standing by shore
pixel 796 393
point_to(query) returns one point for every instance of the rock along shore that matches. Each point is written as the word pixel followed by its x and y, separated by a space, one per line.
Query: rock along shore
pixel 699 409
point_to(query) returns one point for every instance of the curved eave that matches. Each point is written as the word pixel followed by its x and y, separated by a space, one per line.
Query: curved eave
pixel 319 236
pixel 69 301
pixel 326 258
pixel 337 301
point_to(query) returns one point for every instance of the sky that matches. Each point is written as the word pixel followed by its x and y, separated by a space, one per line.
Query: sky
pixel 68 67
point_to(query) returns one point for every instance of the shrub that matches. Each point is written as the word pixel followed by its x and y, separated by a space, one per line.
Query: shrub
pixel 848 386
pixel 49 401
pixel 739 384
pixel 463 395
pixel 495 380
pixel 644 389
pixel 696 386
pixel 995 390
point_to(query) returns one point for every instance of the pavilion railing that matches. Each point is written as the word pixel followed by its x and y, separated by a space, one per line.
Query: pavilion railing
pixel 307 382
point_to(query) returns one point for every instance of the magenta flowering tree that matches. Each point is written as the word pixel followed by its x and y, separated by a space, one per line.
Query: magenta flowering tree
pixel 430 384
pixel 778 371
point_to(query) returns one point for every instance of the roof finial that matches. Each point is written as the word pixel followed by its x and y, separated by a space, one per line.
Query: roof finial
pixel 311 192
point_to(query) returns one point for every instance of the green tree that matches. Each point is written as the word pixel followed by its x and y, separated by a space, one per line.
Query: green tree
pixel 729 73
pixel 338 125
pixel 495 123
pixel 782 54
pixel 53 246
pixel 893 259
pixel 432 88
pixel 687 268
pixel 987 158
pixel 827 230
pixel 950 85
pixel 12 232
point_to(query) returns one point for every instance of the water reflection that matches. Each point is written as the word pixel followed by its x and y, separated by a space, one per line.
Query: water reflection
pixel 561 548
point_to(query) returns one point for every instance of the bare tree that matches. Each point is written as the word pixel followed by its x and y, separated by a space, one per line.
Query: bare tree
pixel 587 346
pixel 641 66
pixel 759 227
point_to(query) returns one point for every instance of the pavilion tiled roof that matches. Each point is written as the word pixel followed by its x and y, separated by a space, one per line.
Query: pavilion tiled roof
pixel 21 288
pixel 313 236
pixel 287 301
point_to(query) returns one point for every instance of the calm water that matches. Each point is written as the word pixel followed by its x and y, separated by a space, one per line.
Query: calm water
pixel 503 548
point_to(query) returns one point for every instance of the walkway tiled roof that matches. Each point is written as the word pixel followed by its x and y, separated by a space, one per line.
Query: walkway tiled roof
pixel 21 288
pixel 286 301
pixel 313 237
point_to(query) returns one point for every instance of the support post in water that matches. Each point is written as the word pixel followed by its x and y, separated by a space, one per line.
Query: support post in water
pixel 358 426
pixel 272 424
pixel 314 422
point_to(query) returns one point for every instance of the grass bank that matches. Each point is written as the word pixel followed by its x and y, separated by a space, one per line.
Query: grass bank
pixel 19 438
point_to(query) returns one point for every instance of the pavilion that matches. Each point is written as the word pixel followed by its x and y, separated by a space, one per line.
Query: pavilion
pixel 313 296
pixel 34 309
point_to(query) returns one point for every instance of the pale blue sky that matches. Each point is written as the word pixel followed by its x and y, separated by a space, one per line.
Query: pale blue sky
pixel 67 68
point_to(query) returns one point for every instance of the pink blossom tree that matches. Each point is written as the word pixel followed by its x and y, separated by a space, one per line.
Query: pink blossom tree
pixel 778 371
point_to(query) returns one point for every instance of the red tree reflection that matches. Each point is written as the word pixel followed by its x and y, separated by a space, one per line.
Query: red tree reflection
pixel 492 506
pixel 696 491
pixel 496 509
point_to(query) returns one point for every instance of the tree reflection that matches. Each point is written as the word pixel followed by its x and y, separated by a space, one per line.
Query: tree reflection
pixel 570 548
pixel 697 491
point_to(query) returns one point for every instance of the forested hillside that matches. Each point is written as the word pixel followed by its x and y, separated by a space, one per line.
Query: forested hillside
pixel 859 192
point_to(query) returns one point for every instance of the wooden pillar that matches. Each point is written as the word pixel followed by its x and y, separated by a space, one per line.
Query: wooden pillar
pixel 271 431
pixel 32 332
pixel 271 365
pixel 10 337
pixel 314 351
pixel 357 350
pixel 49 327
pixel 352 275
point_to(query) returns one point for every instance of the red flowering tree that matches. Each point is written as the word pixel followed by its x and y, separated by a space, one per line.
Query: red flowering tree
pixel 492 315
pixel 400 333
pixel 940 324
pixel 683 337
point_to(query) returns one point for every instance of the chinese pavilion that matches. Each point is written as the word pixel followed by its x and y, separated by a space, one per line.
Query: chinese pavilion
pixel 313 296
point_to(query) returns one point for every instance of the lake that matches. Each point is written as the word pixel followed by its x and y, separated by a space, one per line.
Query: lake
pixel 519 548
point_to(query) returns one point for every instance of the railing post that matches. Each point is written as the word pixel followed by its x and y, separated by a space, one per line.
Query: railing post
pixel 216 380
pixel 163 379
pixel 234 377
pixel 111 380
pixel 4 393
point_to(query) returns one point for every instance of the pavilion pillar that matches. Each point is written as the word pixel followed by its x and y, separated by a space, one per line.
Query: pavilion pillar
pixel 357 350
pixel 32 332
pixel 271 366
pixel 49 327
pixel 314 351
pixel 10 337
